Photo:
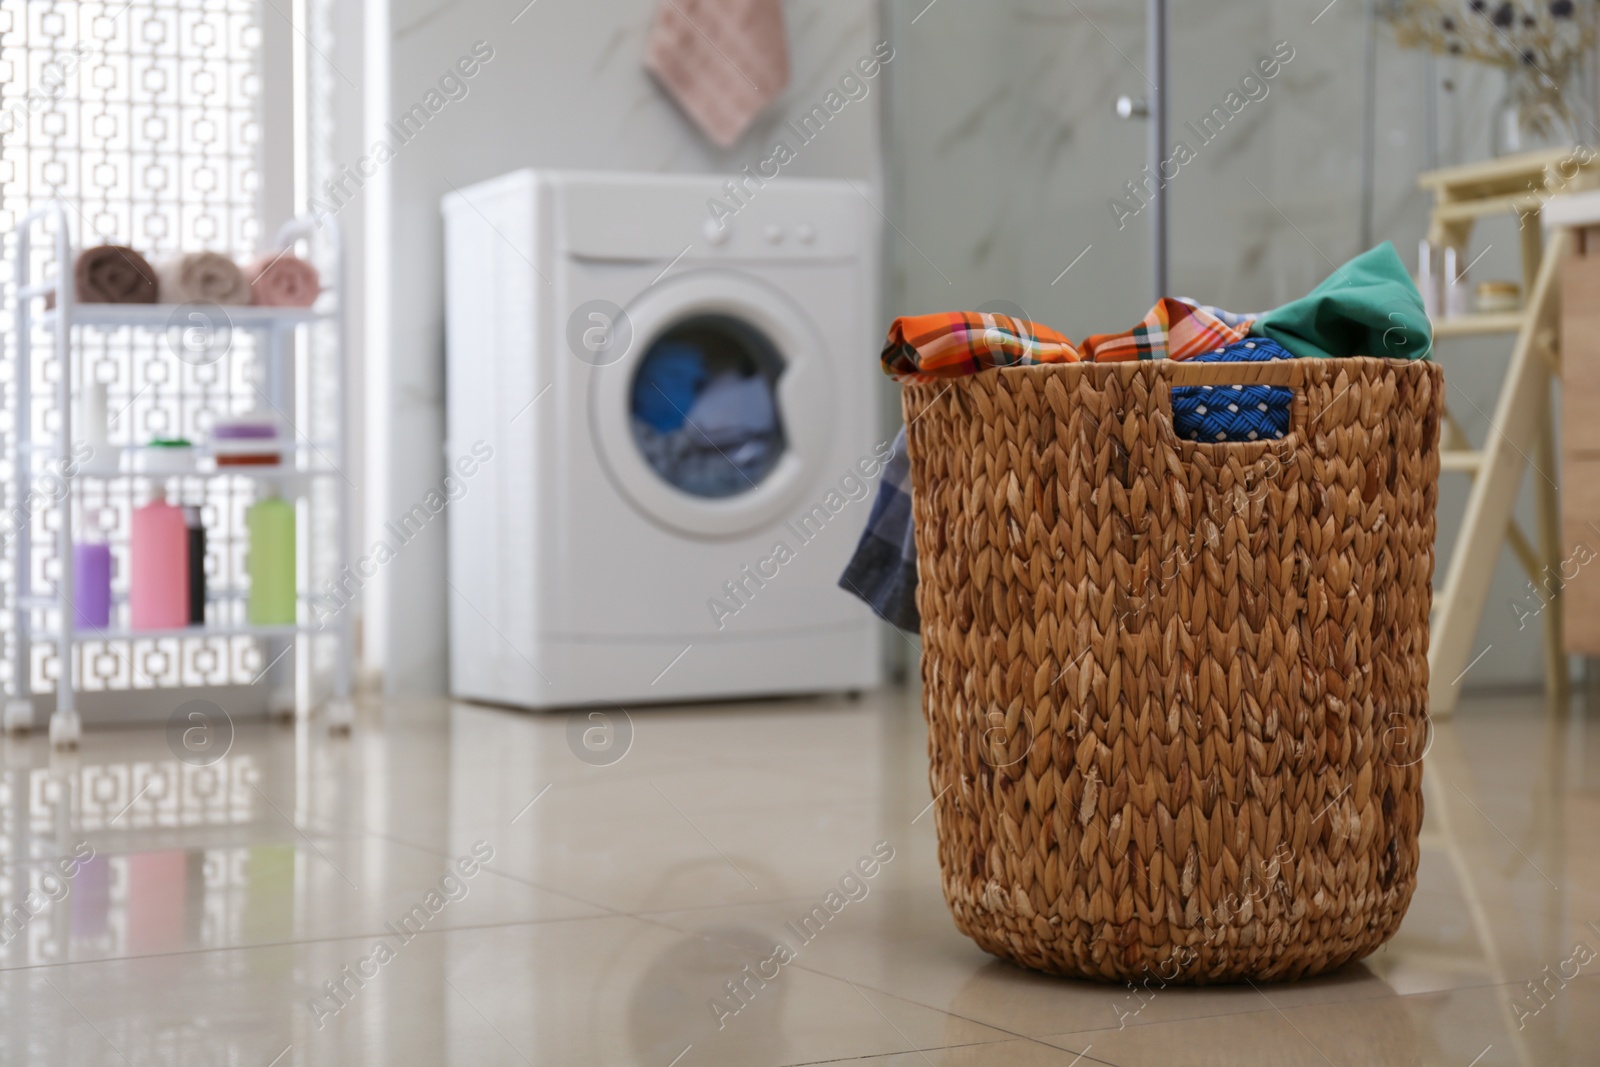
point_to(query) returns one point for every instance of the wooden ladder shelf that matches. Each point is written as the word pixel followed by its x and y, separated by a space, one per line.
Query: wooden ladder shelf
pixel 1520 427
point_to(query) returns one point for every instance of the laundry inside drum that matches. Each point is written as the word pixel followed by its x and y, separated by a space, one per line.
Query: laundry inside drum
pixel 704 406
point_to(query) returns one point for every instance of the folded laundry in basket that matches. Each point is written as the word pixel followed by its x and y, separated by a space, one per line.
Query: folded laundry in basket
pixel 1173 329
pixel 1369 306
pixel 883 570
pixel 952 345
pixel 1234 412
pixel 949 345
pixel 1230 318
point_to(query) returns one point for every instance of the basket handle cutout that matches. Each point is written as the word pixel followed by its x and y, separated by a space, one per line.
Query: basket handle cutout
pixel 1289 373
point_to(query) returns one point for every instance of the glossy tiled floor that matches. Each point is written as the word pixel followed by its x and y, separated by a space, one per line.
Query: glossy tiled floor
pixel 221 901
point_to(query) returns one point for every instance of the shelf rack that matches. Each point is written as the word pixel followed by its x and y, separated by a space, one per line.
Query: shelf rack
pixel 1520 424
pixel 307 462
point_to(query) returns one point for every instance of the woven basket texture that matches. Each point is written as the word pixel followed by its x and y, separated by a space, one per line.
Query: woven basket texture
pixel 1176 692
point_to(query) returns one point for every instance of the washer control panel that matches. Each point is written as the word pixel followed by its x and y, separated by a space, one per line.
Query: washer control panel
pixel 709 219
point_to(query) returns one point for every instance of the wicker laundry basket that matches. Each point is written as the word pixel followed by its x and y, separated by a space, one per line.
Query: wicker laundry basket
pixel 1176 692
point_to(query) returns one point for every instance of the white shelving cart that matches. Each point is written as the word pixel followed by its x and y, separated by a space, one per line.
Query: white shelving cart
pixel 46 616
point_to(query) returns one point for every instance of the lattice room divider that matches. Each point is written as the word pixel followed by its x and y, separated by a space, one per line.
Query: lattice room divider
pixel 145 117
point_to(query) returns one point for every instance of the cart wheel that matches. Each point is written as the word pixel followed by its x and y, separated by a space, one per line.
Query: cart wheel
pixel 19 715
pixel 65 728
pixel 280 706
pixel 341 713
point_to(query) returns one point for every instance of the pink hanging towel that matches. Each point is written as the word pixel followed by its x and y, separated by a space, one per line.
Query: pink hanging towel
pixel 722 60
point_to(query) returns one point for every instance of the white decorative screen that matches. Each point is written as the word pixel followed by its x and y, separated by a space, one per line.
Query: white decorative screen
pixel 317 374
pixel 143 117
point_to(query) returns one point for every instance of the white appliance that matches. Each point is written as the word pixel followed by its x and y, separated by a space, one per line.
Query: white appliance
pixel 584 569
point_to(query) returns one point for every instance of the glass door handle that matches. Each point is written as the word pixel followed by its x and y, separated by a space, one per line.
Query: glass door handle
pixel 1132 107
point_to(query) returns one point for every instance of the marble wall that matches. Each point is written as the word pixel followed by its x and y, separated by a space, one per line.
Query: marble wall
pixel 1005 151
pixel 1002 152
pixel 566 88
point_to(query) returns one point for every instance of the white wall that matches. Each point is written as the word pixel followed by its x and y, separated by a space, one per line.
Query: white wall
pixel 565 88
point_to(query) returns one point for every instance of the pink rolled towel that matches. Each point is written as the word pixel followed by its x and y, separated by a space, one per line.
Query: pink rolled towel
pixel 282 280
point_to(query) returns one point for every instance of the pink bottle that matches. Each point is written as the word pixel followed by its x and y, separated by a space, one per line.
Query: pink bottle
pixel 158 592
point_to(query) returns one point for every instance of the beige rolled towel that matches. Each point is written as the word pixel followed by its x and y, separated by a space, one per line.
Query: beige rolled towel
pixel 201 277
pixel 282 280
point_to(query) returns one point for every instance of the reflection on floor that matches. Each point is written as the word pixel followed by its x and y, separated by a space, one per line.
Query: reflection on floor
pixel 460 885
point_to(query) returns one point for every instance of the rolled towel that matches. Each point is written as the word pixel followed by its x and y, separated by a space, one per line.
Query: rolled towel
pixel 282 280
pixel 202 277
pixel 111 274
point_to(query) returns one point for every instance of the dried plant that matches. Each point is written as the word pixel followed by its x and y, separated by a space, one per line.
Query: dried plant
pixel 1539 43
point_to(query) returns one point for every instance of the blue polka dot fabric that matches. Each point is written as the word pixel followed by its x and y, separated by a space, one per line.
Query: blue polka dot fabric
pixel 1234 412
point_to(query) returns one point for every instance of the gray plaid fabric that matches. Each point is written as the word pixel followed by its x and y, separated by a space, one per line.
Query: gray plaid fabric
pixel 883 571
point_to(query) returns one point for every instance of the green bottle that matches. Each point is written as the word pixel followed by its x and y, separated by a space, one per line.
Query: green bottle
pixel 271 563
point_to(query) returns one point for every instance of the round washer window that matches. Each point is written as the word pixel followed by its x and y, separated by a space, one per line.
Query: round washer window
pixel 704 406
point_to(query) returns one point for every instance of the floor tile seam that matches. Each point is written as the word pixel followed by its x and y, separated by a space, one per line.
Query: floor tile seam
pixel 611 909
pixel 1084 1058
pixel 500 872
pixel 655 915
pixel 297 942
pixel 1008 1034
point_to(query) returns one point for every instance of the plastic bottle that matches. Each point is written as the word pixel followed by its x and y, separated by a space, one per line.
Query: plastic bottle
pixel 197 566
pixel 93 424
pixel 158 592
pixel 1427 280
pixel 1457 301
pixel 91 576
pixel 271 562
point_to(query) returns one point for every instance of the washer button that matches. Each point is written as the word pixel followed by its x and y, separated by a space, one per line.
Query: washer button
pixel 773 234
pixel 807 233
pixel 717 233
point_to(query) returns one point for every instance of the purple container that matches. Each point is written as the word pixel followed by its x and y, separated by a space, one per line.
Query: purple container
pixel 245 431
pixel 91 898
pixel 91 585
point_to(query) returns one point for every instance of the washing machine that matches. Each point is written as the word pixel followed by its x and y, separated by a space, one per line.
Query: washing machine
pixel 663 389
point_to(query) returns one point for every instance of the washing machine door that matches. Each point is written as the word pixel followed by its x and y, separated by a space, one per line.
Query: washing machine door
pixel 716 420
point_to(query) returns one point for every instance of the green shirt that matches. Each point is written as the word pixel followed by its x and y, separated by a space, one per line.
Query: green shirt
pixel 1368 307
